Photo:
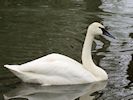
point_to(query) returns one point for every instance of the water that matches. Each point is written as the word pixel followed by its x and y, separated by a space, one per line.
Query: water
pixel 70 92
pixel 31 29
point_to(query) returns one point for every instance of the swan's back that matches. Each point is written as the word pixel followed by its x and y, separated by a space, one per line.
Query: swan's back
pixel 53 69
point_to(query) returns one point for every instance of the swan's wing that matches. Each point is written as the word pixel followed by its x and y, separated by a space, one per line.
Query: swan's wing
pixel 55 69
pixel 51 58
pixel 59 72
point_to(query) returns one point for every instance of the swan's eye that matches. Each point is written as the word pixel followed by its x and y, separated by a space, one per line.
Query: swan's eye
pixel 106 28
pixel 101 28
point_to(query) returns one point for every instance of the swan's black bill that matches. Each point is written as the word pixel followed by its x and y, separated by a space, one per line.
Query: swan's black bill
pixel 107 33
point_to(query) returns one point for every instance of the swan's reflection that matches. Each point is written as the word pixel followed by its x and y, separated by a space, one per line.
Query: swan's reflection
pixel 71 92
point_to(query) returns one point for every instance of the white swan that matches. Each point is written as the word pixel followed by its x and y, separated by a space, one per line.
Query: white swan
pixel 57 69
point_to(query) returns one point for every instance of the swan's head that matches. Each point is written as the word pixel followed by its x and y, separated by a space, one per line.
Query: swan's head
pixel 98 29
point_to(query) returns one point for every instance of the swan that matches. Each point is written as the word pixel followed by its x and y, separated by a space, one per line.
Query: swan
pixel 57 69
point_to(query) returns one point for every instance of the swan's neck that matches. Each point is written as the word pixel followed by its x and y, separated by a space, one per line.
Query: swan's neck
pixel 86 52
pixel 87 61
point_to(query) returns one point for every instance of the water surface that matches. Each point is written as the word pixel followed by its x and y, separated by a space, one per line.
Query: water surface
pixel 32 29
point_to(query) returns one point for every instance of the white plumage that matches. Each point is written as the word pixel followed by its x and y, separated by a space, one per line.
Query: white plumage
pixel 57 69
pixel 52 69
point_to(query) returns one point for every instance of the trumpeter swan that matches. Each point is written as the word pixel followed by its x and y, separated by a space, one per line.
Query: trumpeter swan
pixel 57 69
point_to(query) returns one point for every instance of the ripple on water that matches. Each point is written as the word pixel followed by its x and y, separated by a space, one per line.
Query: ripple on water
pixel 49 26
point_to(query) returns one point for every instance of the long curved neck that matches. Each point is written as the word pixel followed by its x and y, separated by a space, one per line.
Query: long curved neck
pixel 87 61
pixel 86 52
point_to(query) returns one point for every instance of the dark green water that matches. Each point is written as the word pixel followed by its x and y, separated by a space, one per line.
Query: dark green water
pixel 32 29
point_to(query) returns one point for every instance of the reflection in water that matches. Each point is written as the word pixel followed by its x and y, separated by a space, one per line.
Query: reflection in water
pixel 93 5
pixel 33 3
pixel 71 92
pixel 97 57
pixel 130 69
pixel 118 60
pixel 130 73
pixel 30 29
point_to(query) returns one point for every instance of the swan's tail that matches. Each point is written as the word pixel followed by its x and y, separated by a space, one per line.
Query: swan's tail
pixel 24 76
pixel 15 70
pixel 12 68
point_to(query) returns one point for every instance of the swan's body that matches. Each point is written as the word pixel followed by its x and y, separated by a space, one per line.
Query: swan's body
pixel 52 69
pixel 57 69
